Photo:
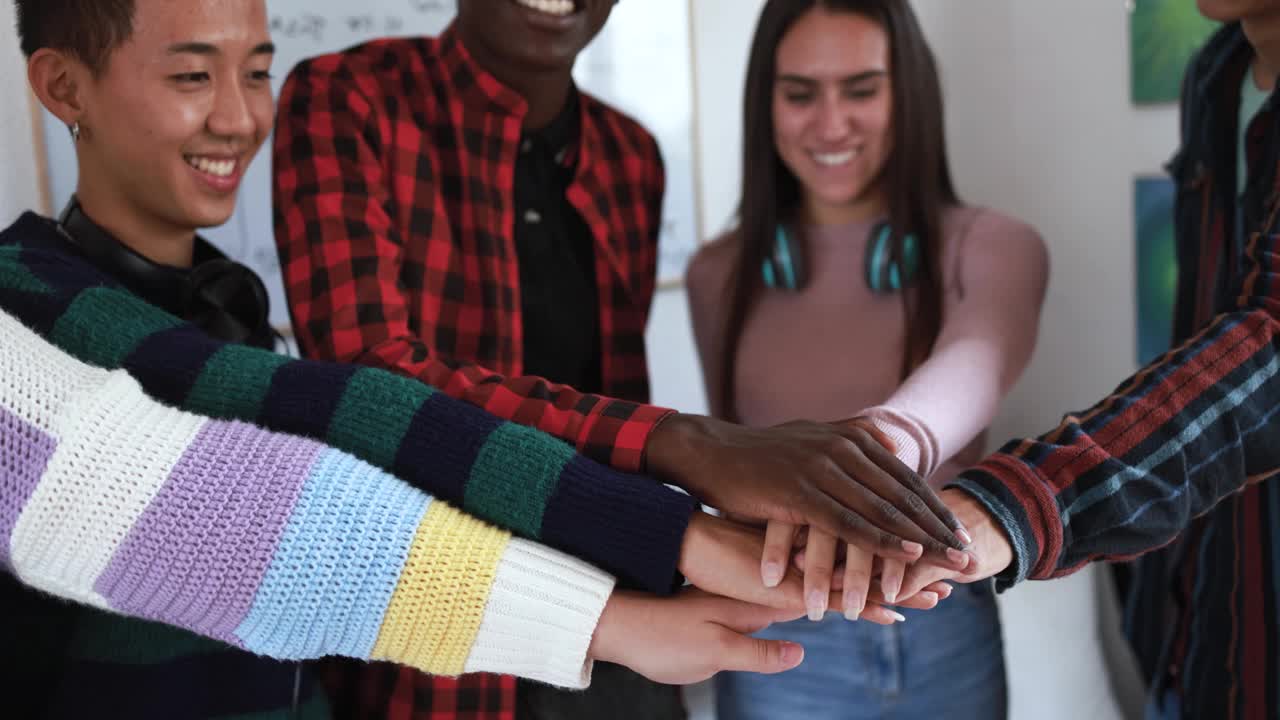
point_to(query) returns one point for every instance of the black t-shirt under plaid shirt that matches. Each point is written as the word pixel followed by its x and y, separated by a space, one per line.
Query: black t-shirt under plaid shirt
pixel 558 295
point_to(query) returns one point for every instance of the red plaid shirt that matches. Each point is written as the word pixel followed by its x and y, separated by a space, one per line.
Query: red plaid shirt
pixel 394 187
pixel 394 199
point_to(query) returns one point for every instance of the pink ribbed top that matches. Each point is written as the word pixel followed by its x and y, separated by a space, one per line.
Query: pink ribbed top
pixel 834 350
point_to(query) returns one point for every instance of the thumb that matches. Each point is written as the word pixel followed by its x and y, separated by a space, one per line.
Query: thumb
pixel 748 654
pixel 876 433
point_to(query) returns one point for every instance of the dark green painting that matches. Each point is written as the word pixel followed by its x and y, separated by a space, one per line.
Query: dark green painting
pixel 1163 35
pixel 1157 265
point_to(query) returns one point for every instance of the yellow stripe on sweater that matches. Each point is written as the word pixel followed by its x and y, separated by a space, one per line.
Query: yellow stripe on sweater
pixel 437 606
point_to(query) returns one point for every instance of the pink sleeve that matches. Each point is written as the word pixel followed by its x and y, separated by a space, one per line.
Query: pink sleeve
pixel 996 278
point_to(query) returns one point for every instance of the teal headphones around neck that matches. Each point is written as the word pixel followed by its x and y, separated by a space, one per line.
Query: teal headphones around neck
pixel 784 268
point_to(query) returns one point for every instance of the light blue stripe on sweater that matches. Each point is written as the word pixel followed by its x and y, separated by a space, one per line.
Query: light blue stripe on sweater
pixel 1238 395
pixel 331 580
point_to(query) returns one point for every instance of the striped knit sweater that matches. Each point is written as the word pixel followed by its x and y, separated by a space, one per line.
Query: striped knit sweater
pixel 513 476
pixel 272 543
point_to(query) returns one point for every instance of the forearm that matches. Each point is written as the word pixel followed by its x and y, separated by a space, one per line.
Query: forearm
pixel 610 431
pixel 1129 474
pixel 991 318
pixel 513 476
pixel 271 543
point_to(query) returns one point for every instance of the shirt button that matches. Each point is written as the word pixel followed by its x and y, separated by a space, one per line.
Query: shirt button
pixel 526 146
pixel 533 217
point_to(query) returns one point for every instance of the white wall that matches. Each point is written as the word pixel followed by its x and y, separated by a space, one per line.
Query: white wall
pixel 1039 125
pixel 18 188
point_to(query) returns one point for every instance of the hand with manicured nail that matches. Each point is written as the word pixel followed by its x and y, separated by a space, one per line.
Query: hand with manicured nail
pixel 820 558
pixel 854 587
pixel 721 557
pixel 993 552
pixel 837 477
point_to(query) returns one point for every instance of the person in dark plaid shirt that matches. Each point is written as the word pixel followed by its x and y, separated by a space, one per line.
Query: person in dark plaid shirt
pixel 1178 465
pixel 455 210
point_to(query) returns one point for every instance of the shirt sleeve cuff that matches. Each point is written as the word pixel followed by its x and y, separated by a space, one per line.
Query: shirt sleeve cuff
pixel 1022 501
pixel 540 617
pixel 630 525
pixel 917 446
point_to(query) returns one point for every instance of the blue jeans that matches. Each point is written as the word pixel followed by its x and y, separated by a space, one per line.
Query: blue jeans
pixel 946 662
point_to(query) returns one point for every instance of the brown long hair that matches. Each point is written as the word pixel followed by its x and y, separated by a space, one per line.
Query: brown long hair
pixel 916 175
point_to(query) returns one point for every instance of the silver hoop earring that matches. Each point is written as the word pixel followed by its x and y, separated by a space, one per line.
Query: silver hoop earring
pixel 75 131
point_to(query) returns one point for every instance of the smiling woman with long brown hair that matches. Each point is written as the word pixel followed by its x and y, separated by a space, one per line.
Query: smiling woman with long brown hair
pixel 857 284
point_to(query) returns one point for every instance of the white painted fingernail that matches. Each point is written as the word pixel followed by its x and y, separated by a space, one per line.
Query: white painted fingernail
pixel 817 605
pixel 772 574
pixel 897 616
pixel 852 607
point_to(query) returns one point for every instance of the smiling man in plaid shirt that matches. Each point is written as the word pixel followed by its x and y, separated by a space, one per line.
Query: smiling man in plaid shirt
pixel 455 210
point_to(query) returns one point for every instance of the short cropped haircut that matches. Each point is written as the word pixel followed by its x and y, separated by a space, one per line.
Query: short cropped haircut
pixel 88 29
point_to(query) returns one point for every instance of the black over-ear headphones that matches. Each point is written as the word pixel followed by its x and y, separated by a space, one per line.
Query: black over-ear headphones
pixel 218 295
pixel 784 268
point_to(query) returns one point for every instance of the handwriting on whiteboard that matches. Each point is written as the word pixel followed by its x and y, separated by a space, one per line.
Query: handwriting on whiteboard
pixel 315 27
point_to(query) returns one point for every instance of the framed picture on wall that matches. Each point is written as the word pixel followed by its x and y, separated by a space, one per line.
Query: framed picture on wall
pixel 1163 35
pixel 1157 265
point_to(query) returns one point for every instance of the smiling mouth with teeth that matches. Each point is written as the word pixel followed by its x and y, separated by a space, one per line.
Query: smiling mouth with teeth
pixel 836 158
pixel 558 8
pixel 216 168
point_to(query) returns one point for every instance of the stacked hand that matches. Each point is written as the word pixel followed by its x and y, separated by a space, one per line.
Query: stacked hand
pixel 990 552
pixel 816 488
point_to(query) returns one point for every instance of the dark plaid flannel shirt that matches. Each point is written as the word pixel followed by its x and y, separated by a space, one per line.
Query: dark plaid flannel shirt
pixel 1179 465
pixel 394 169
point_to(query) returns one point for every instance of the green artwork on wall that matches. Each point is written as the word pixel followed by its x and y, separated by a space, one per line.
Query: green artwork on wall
pixel 1163 35
pixel 1156 263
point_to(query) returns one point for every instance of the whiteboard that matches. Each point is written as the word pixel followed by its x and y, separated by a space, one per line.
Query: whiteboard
pixel 640 63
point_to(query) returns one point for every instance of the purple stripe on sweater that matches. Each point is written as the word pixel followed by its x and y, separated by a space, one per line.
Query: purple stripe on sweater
pixel 198 553
pixel 24 453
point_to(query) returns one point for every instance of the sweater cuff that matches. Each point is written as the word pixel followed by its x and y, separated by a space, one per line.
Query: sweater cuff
pixel 540 617
pixel 917 446
pixel 630 525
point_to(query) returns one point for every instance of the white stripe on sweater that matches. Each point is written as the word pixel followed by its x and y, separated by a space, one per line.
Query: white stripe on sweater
pixel 541 614
pixel 40 380
pixel 117 449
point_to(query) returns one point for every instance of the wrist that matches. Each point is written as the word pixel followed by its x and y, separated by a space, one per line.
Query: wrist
pixel 992 544
pixel 694 540
pixel 672 445
pixel 608 638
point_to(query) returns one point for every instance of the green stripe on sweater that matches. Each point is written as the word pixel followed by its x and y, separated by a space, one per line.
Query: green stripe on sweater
pixel 234 382
pixel 515 450
pixel 375 399
pixel 103 326
pixel 15 276
pixel 109 638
